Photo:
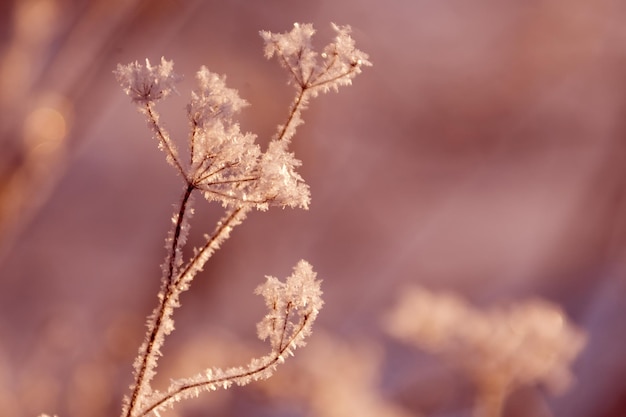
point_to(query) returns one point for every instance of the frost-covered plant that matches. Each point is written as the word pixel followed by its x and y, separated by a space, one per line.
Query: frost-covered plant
pixel 527 343
pixel 226 165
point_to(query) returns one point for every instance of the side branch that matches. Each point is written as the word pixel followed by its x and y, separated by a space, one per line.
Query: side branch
pixel 258 369
pixel 161 323
pixel 288 129
pixel 221 233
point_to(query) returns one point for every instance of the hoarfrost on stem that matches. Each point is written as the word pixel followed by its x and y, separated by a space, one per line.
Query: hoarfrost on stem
pixel 146 83
pixel 225 165
pixel 293 307
pixel 341 61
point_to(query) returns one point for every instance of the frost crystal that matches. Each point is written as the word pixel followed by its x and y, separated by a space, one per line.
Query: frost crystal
pixel 223 159
pixel 146 84
pixel 300 294
pixel 341 61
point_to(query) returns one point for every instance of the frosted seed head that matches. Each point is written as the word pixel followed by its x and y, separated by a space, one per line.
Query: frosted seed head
pixel 146 84
pixel 341 61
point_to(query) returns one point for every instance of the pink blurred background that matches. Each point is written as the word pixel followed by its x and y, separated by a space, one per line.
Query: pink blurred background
pixel 483 153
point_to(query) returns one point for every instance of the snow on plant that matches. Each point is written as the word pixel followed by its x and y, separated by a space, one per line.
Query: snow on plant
pixel 226 165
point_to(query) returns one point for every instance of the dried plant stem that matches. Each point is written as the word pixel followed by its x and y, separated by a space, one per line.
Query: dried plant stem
pixel 227 166
pixel 164 139
pixel 184 389
pixel 172 287
pixel 176 248
pixel 296 109
pixel 174 283
pixel 149 350
pixel 232 218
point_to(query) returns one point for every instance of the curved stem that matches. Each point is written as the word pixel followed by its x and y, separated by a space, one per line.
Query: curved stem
pixel 275 358
pixel 164 139
pixel 295 110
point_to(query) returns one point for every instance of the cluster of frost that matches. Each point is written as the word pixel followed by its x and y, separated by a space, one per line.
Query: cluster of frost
pixel 526 343
pixel 226 165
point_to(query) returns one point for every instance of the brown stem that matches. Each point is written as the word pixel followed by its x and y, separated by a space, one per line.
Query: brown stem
pixel 292 114
pixel 165 142
pixel 177 232
pixel 141 380
pixel 217 235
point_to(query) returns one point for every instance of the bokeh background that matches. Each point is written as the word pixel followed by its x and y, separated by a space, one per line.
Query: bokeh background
pixel 483 154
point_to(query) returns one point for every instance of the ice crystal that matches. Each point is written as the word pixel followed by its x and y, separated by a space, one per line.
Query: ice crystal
pixel 223 159
pixel 147 83
pixel 341 61
pixel 301 295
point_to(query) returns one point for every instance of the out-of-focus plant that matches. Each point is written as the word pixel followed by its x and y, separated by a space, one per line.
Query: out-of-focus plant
pixel 501 349
pixel 335 378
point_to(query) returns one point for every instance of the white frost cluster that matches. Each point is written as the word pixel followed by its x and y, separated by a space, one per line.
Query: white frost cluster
pixel 293 306
pixel 147 83
pixel 340 60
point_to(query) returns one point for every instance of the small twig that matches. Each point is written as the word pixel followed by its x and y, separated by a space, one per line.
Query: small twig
pixel 164 138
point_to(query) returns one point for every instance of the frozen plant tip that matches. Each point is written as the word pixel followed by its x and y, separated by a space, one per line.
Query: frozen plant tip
pixel 226 165
pixel 146 83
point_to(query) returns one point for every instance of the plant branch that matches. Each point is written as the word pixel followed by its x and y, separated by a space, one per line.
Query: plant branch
pixel 296 108
pixel 148 358
pixel 221 233
pixel 176 238
pixel 164 139
pixel 242 377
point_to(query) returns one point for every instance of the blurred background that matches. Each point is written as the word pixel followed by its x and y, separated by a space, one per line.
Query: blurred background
pixel 484 155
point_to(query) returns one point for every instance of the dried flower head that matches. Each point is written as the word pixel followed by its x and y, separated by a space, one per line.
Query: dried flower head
pixel 147 83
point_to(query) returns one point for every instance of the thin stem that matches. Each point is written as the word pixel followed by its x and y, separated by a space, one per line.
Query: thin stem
pixel 192 142
pixel 233 199
pixel 164 138
pixel 235 180
pixel 175 250
pixel 330 80
pixel 293 72
pixel 171 290
pixel 210 174
pixel 150 356
pixel 249 373
pixel 285 323
pixel 295 109
pixel 219 235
